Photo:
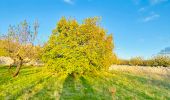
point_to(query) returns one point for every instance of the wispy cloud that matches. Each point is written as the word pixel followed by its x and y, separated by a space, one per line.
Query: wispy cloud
pixel 142 9
pixel 152 17
pixel 145 10
pixel 154 2
pixel 69 1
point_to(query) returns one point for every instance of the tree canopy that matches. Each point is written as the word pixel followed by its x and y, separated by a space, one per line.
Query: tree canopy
pixel 78 48
pixel 18 43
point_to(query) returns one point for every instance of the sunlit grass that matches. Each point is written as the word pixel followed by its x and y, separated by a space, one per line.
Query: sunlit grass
pixel 33 83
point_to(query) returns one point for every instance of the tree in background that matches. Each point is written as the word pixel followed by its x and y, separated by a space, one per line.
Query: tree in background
pixel 78 48
pixel 137 61
pixel 161 60
pixel 3 51
pixel 123 62
pixel 19 43
pixel 115 59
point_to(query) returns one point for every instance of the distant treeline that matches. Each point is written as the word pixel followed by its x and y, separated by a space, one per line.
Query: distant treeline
pixel 159 60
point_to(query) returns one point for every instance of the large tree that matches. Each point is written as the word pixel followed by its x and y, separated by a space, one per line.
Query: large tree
pixel 78 48
pixel 19 43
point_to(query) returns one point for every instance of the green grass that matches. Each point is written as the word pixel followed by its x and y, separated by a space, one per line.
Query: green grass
pixel 33 83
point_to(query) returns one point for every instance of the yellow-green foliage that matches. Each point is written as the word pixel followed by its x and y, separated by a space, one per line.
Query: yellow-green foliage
pixel 3 51
pixel 19 41
pixel 115 59
pixel 161 61
pixel 78 48
pixel 148 62
pixel 136 61
pixel 123 62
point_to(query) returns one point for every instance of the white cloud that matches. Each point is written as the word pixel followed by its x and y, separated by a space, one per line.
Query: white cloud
pixel 151 17
pixel 69 1
pixel 154 2
pixel 145 9
pixel 142 9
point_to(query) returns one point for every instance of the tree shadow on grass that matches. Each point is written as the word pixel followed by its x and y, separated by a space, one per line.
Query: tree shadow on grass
pixel 88 92
pixel 77 90
pixel 68 91
pixel 28 89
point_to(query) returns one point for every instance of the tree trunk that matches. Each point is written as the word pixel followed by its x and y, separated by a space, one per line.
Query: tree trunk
pixel 18 67
pixel 10 66
pixel 74 75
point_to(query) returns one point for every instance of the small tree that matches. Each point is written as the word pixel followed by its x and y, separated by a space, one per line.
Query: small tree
pixel 19 42
pixel 136 61
pixel 115 59
pixel 161 60
pixel 78 48
pixel 3 51
pixel 123 62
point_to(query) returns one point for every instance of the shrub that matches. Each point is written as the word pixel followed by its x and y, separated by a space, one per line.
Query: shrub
pixel 115 60
pixel 155 61
pixel 136 61
pixel 78 48
pixel 123 62
pixel 3 51
pixel 161 61
pixel 148 62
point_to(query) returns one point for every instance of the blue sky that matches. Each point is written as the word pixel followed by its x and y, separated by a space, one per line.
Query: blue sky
pixel 139 27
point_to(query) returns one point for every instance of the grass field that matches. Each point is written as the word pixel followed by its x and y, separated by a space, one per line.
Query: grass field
pixel 33 83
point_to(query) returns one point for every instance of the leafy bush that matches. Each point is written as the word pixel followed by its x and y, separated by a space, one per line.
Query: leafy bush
pixel 123 62
pixel 157 61
pixel 115 59
pixel 148 62
pixel 78 48
pixel 3 52
pixel 136 61
pixel 161 61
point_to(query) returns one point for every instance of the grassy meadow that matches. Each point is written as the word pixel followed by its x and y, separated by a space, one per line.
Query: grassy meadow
pixel 33 83
pixel 84 49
